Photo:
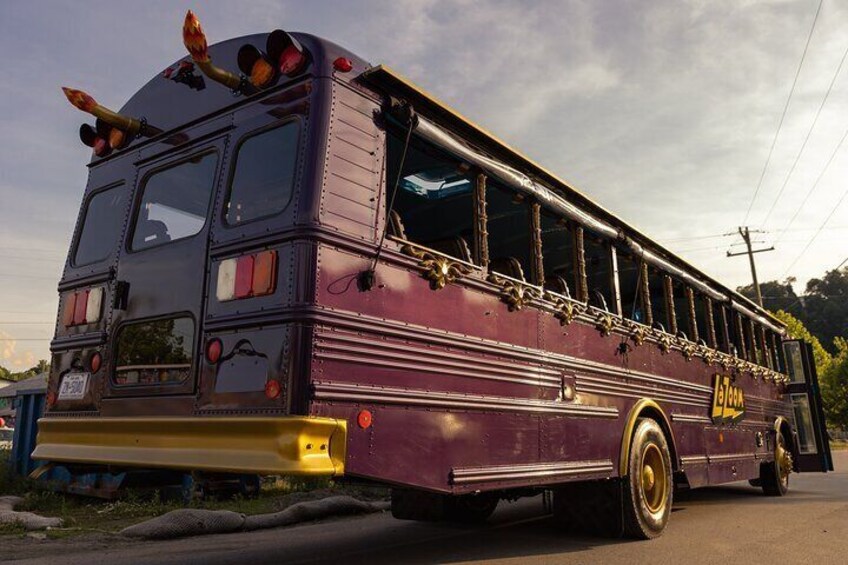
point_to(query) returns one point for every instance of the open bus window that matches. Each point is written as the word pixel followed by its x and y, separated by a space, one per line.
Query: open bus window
pixel 681 310
pixel 175 202
pixel 659 306
pixel 630 280
pixel 157 352
pixel 721 322
pixel 510 246
pixel 702 321
pixel 737 339
pixel 558 255
pixel 434 204
pixel 101 225
pixel 598 272
pixel 263 182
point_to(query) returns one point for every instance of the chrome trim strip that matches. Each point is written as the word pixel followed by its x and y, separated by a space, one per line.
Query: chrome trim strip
pixel 694 460
pixel 448 400
pixel 529 471
pixel 692 418
pixel 732 457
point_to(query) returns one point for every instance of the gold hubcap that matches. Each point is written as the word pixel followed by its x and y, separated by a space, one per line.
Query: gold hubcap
pixel 654 479
pixel 783 457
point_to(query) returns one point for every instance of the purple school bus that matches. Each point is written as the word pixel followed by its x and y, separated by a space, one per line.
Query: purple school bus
pixel 291 262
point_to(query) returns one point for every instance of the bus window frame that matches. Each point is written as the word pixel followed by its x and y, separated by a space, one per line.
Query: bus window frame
pixel 81 225
pixel 233 158
pixel 141 185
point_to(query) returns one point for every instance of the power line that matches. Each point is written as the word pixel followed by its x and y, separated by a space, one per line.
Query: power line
pixel 818 231
pixel 783 115
pixel 813 188
pixel 807 138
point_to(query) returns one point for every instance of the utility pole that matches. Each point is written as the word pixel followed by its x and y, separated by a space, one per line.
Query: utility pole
pixel 746 236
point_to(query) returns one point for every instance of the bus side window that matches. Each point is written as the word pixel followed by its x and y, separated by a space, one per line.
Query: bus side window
pixel 659 307
pixel 434 204
pixel 722 325
pixel 558 255
pixel 630 283
pixel 737 336
pixel 681 310
pixel 703 315
pixel 510 242
pixel 598 272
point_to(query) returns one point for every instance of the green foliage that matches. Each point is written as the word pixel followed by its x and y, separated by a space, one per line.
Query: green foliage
pixel 796 329
pixel 834 387
pixel 776 296
pixel 826 306
pixel 42 367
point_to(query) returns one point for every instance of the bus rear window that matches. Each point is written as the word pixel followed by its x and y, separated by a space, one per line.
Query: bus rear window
pixel 263 181
pixel 157 352
pixel 175 202
pixel 104 215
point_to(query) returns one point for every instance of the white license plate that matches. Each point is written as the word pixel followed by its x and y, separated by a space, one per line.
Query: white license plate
pixel 73 386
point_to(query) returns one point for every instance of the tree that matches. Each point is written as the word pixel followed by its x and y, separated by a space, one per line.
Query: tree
pixel 834 387
pixel 826 306
pixel 776 296
pixel 796 329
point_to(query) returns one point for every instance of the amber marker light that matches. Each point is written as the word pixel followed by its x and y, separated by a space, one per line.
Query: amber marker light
pixel 343 65
pixel 364 419
pixel 255 64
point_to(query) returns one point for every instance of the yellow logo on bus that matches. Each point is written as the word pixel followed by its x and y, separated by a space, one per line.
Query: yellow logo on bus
pixel 728 401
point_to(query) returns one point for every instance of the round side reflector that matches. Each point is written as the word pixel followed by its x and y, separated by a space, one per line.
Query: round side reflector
pixel 272 389
pixel 213 350
pixel 343 65
pixel 94 362
pixel 51 398
pixel 2 423
pixel 364 419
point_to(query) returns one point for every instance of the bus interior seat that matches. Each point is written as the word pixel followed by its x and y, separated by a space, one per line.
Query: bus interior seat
pixel 154 231
pixel 396 225
pixel 558 284
pixel 454 246
pixel 596 299
pixel 509 266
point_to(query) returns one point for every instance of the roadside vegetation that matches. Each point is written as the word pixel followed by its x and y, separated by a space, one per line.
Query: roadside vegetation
pixel 87 515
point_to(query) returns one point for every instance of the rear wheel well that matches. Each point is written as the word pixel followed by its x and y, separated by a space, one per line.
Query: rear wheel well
pixel 646 408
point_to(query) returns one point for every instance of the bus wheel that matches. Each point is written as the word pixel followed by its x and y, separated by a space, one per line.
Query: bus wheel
pixel 774 476
pixel 648 486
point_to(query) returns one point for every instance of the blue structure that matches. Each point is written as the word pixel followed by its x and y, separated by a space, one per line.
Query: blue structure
pixel 29 404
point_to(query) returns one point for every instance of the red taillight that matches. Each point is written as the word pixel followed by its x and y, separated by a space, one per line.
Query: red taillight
pixel 94 362
pixel 272 389
pixel 364 419
pixel 80 306
pixel 51 398
pixel 244 276
pixel 213 350
pixel 291 60
pixel 343 65
pixel 68 307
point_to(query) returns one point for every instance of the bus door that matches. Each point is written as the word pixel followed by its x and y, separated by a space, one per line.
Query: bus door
pixel 162 271
pixel 803 392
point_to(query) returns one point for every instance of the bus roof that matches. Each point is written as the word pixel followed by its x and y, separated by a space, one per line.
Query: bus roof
pixel 392 82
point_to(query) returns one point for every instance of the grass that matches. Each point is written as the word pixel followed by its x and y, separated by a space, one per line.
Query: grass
pixel 85 515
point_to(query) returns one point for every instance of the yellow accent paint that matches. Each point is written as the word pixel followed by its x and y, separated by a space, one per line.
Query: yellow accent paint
pixel 632 417
pixel 286 445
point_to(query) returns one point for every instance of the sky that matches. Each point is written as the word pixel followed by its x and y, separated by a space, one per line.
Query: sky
pixel 662 111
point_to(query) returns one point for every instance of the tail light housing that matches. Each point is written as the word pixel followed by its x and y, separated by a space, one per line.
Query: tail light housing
pixel 247 276
pixel 286 52
pixel 82 307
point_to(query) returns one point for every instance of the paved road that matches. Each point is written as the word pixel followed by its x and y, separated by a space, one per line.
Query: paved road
pixel 732 524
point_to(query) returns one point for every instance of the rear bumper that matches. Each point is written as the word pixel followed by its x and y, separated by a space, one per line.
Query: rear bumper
pixel 286 445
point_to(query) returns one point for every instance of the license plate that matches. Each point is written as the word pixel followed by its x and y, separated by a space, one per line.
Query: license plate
pixel 73 386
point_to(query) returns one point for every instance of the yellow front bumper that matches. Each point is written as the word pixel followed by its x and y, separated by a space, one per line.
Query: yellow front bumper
pixel 286 445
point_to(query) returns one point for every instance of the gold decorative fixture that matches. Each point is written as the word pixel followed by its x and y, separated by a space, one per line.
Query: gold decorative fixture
pixel 515 294
pixel 604 324
pixel 195 42
pixel 439 270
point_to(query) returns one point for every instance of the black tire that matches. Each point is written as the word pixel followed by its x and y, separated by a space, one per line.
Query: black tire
pixel 649 485
pixel 592 508
pixel 774 476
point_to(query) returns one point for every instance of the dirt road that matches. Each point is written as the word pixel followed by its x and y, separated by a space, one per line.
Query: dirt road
pixel 732 524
